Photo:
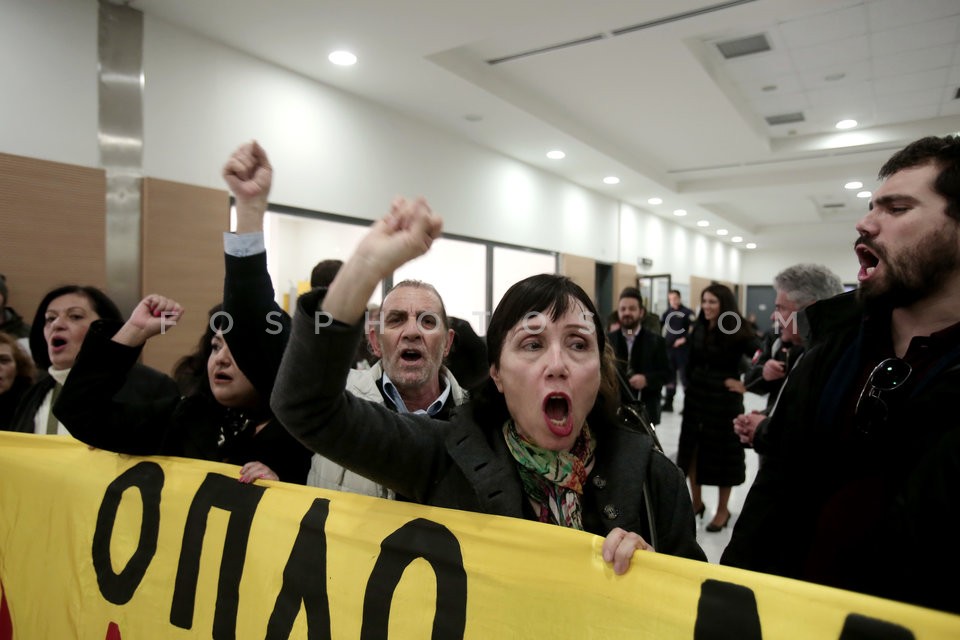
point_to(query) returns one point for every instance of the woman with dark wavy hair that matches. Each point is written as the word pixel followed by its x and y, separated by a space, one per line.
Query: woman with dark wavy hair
pixel 59 327
pixel 710 452
pixel 541 441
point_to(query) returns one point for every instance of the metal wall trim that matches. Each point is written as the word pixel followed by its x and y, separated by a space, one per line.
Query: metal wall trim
pixel 120 134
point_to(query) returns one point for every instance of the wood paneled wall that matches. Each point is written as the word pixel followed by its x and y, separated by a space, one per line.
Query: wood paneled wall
pixel 52 228
pixel 581 270
pixel 624 275
pixel 183 229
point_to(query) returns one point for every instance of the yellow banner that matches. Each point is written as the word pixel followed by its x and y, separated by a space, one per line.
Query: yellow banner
pixel 103 546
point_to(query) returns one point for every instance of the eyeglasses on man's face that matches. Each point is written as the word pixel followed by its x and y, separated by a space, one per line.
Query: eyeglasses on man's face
pixel 872 411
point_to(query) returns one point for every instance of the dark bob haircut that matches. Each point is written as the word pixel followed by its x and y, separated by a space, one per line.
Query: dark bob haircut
pixel 102 305
pixel 553 296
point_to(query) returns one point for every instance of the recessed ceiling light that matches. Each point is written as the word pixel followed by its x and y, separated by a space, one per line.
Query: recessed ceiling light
pixel 679 212
pixel 856 184
pixel 342 58
pixel 703 223
pixel 655 201
pixel 736 239
pixel 611 180
pixel 864 194
pixel 751 245
pixel 556 154
pixel 722 232
pixel 847 124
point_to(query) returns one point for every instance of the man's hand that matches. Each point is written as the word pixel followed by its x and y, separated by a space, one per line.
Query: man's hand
pixel 638 381
pixel 774 370
pixel 680 342
pixel 249 176
pixel 405 233
pixel 745 426
pixel 153 315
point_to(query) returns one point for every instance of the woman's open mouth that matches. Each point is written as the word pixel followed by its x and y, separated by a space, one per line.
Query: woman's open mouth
pixel 556 411
pixel 57 344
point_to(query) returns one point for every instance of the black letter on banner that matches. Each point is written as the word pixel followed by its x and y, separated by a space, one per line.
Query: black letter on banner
pixel 726 610
pixel 434 543
pixel 241 501
pixel 305 579
pixel 857 626
pixel 148 478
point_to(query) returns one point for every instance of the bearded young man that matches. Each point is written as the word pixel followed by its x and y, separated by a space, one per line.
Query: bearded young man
pixel 862 492
pixel 641 355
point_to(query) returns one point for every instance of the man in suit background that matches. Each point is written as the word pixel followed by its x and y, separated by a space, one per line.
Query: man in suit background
pixel 642 362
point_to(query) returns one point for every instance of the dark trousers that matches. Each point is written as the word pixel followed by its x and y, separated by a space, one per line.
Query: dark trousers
pixel 678 357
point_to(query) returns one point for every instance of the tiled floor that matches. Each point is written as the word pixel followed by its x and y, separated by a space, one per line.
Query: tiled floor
pixel 669 433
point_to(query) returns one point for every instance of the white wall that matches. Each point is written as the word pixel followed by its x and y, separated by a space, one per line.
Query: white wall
pixel 332 151
pixel 759 267
pixel 674 249
pixel 48 71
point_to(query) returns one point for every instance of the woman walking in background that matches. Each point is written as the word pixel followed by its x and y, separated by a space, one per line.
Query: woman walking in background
pixel 710 452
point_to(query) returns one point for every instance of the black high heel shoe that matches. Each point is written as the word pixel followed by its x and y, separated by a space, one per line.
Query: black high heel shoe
pixel 715 528
pixel 699 512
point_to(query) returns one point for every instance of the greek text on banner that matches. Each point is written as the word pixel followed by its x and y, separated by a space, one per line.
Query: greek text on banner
pixel 98 545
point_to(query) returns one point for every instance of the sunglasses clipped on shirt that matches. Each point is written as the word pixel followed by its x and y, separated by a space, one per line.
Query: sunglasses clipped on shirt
pixel 872 410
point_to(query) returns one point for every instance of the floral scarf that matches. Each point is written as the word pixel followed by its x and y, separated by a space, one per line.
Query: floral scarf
pixel 553 479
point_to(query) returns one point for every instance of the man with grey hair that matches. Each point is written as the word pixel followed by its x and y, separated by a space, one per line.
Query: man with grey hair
pixel 411 337
pixel 797 288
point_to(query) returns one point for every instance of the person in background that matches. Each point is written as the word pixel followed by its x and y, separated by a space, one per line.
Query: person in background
pixel 710 452
pixel 59 326
pixel 324 272
pixel 540 441
pixel 229 418
pixel 676 326
pixel 467 360
pixel 411 337
pixel 861 491
pixel 797 287
pixel 642 363
pixel 16 376
pixel 10 321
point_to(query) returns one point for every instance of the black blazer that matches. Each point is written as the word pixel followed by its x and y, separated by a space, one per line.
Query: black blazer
pixel 648 357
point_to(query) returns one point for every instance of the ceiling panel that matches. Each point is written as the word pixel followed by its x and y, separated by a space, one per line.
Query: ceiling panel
pixel 660 105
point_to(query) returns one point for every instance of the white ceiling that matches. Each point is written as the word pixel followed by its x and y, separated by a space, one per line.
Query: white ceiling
pixel 657 106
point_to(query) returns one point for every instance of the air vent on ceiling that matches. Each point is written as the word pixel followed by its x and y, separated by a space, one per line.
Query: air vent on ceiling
pixel 686 15
pixel 956 96
pixel 744 46
pixel 833 205
pixel 785 118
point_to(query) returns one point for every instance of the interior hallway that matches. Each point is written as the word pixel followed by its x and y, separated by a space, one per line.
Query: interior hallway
pixel 668 431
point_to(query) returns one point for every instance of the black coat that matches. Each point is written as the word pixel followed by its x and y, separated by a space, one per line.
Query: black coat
pixel 459 464
pixel 648 357
pixel 10 400
pixel 798 521
pixel 142 384
pixel 709 408
pixel 190 427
